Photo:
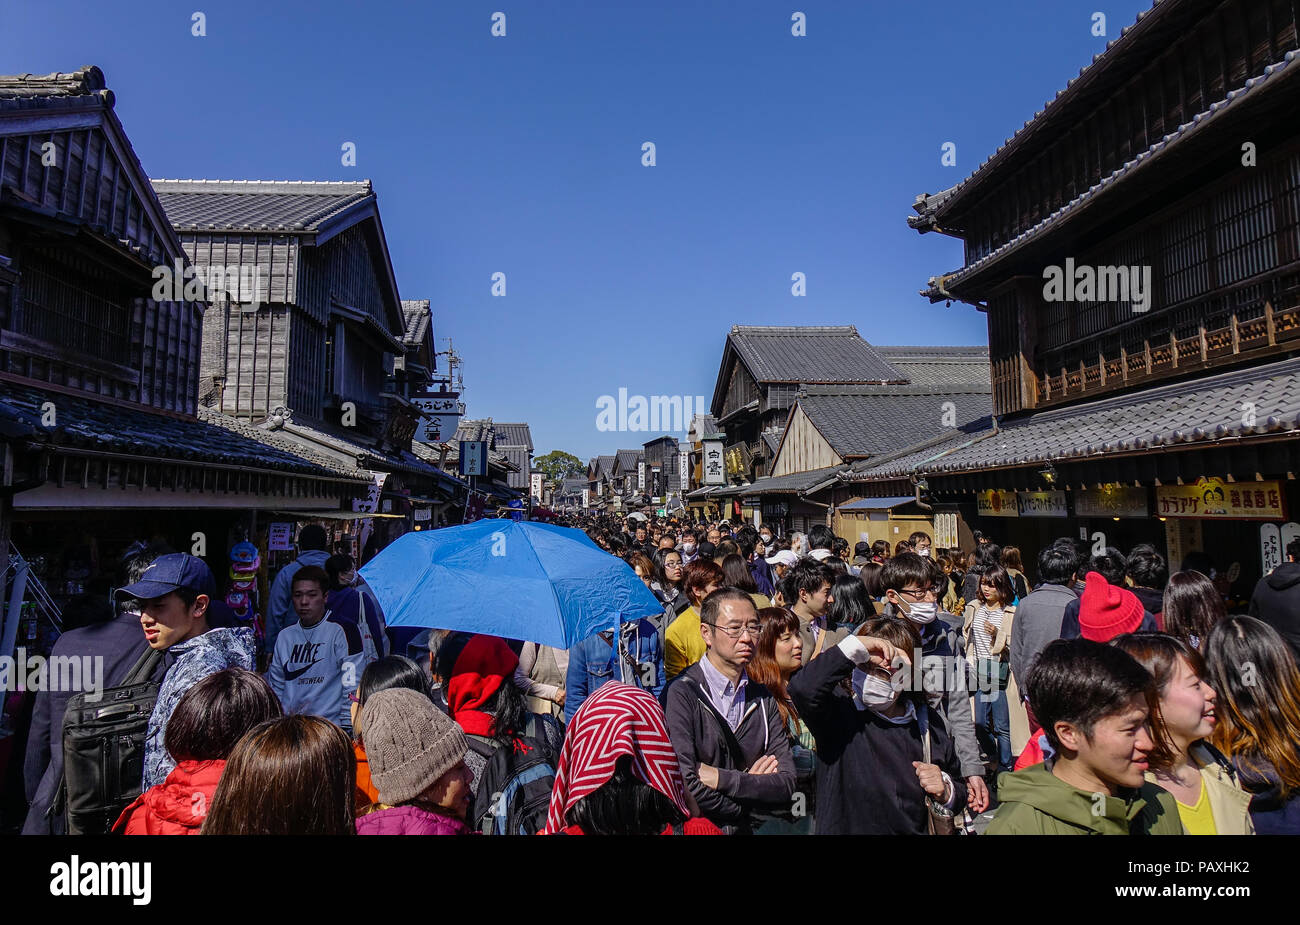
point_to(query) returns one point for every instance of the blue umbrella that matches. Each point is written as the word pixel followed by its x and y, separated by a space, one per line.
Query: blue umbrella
pixel 519 580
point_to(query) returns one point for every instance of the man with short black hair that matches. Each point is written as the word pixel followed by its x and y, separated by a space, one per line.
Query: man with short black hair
pixel 1093 702
pixel 1041 614
pixel 821 539
pixel 921 543
pixel 726 730
pixel 807 590
pixel 1147 574
pixel 912 586
pixel 1276 598
pixel 174 593
pixel 312 550
pixel 317 661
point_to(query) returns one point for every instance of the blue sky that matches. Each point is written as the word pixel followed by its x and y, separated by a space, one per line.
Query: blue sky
pixel 522 155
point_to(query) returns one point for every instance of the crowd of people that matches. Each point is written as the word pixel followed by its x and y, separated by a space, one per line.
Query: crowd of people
pixel 787 684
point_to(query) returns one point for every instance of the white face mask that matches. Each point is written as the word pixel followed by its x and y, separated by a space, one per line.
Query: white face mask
pixel 924 551
pixel 688 548
pixel 923 612
pixel 766 538
pixel 871 692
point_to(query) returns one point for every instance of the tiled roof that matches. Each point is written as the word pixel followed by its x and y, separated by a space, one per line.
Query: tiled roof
pixel 810 354
pixel 512 435
pixel 368 456
pixel 703 424
pixel 1201 411
pixel 1088 75
pixel 604 465
pixel 416 315
pixel 85 423
pixel 626 460
pixel 869 424
pixel 474 430
pixel 82 88
pixel 940 366
pixel 790 484
pixel 772 441
pixel 293 206
pixel 1273 75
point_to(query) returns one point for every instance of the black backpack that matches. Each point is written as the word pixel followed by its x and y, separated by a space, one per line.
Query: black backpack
pixel 103 750
pixel 513 794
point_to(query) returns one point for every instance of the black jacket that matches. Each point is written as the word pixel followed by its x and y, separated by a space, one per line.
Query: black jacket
pixel 119 642
pixel 866 784
pixel 696 729
pixel 1276 601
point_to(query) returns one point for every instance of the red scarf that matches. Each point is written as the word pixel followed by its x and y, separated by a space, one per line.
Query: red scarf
pixel 483 666
pixel 615 721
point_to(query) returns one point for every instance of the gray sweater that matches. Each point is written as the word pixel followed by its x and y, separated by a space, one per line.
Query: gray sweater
pixel 696 730
pixel 1038 623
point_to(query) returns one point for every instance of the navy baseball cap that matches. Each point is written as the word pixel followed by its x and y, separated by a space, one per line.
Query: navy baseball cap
pixel 169 572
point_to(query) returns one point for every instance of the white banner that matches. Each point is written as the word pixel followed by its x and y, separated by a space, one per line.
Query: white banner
pixel 714 471
pixel 684 471
pixel 640 478
pixel 1270 547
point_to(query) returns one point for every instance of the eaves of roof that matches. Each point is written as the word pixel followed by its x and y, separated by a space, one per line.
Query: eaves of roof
pixel 1275 75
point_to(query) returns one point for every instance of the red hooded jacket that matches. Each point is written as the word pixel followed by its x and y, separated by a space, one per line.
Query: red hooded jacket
pixel 177 806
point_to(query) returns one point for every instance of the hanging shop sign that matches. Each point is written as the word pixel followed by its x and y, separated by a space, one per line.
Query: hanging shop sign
pixel 1214 499
pixel 535 485
pixel 683 472
pixel 945 530
pixel 586 500
pixel 1041 503
pixel 714 474
pixel 640 478
pixel 473 458
pixel 280 537
pixel 423 514
pixel 994 502
pixel 1270 547
pixel 1111 501
pixel 439 416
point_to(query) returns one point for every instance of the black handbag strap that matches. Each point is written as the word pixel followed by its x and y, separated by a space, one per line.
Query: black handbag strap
pixel 143 668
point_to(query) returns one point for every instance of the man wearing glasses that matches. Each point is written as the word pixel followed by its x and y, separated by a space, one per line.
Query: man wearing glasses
pixel 912 587
pixel 731 745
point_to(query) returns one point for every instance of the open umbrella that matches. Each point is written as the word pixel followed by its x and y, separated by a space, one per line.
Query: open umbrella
pixel 531 581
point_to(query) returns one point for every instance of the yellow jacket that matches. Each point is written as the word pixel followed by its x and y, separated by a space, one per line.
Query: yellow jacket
pixel 1228 802
pixel 683 644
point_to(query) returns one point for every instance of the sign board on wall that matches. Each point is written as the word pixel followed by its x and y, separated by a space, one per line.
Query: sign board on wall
pixel 714 474
pixel 684 472
pixel 994 502
pixel 1041 503
pixel 586 500
pixel 1111 501
pixel 1270 547
pixel 423 514
pixel 640 478
pixel 945 530
pixel 280 536
pixel 535 485
pixel 1214 499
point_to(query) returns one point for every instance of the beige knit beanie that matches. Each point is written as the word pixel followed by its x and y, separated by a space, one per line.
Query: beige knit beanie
pixel 409 743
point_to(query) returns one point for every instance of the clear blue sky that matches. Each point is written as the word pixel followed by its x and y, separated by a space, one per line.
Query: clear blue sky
pixel 522 155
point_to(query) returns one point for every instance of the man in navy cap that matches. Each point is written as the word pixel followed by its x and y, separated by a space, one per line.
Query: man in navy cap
pixel 174 593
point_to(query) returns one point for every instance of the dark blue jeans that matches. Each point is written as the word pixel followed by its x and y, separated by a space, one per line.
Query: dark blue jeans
pixel 993 724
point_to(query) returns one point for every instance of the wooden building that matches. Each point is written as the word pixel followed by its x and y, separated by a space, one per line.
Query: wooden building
pixel 1172 163
pixel 99 378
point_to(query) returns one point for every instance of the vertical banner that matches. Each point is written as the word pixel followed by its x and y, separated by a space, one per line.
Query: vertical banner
pixel 1270 547
pixel 714 474
pixel 640 478
pixel 684 472
pixel 586 501
pixel 535 488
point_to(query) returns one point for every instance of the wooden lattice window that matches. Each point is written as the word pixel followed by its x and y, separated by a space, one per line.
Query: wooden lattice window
pixel 66 303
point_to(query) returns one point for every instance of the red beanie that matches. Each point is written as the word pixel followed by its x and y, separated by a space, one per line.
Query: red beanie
pixel 1107 611
pixel 485 664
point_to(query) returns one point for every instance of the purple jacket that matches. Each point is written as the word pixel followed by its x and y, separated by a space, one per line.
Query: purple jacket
pixel 409 820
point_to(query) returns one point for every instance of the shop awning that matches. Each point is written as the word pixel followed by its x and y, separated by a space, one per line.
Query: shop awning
pixel 877 504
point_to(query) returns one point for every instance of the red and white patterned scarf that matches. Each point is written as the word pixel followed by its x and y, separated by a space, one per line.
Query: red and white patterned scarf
pixel 615 721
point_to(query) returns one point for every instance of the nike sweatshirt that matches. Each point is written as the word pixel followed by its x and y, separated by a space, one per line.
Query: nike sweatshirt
pixel 315 668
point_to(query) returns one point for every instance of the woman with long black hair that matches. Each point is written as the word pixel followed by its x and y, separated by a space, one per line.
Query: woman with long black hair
pixel 851 604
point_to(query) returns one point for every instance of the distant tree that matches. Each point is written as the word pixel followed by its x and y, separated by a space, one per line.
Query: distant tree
pixel 559 465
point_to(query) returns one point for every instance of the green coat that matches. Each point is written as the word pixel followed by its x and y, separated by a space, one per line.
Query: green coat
pixel 1036 802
